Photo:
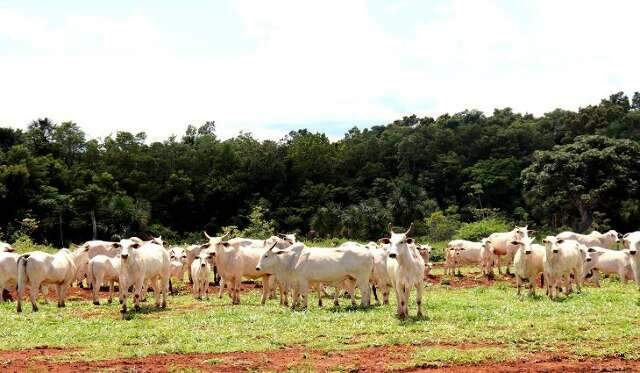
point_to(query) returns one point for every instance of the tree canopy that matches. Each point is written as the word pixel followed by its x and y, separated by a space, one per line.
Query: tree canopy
pixel 564 169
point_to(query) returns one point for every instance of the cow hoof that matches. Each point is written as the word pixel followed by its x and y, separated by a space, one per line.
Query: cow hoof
pixel 96 303
pixel 110 301
pixel 164 304
pixel 35 309
pixel 19 310
pixel 136 307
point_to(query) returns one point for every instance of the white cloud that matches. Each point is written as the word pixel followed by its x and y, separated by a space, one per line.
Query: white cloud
pixel 316 62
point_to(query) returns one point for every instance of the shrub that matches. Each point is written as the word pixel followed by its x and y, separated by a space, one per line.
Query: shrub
pixel 478 230
pixel 440 227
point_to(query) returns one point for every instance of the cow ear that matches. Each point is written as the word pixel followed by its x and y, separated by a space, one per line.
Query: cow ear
pixel 409 241
pixel 385 241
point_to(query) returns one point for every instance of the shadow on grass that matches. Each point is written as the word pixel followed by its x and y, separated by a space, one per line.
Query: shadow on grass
pixel 143 310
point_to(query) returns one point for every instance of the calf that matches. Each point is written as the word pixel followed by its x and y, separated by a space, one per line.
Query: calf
pixel 528 263
pixel 607 261
pixel 468 252
pixel 142 264
pixel 200 275
pixel 103 269
pixel 405 267
pixel 38 268
pixel 562 258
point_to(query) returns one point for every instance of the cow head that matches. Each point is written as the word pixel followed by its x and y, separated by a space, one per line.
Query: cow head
pixel 290 238
pixel 524 244
pixel 398 242
pixel 268 260
pixel 6 248
pixel 214 241
pixel 552 244
pixel 592 254
pixel 127 247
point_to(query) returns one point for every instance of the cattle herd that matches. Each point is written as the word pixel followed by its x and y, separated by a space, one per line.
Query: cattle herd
pixel 396 262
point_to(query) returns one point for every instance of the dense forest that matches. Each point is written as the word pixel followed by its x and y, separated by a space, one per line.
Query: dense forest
pixel 565 169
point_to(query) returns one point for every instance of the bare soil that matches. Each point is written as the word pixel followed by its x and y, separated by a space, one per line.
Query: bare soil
pixel 373 359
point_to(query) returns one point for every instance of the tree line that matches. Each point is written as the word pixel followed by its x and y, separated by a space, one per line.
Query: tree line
pixel 575 170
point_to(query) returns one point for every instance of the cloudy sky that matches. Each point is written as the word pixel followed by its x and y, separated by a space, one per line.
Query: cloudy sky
pixel 271 66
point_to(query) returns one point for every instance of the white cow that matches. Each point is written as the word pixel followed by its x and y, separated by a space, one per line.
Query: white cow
pixel 405 267
pixel 595 238
pixel 103 269
pixel 178 264
pixel 469 252
pixel 631 242
pixel 299 267
pixel 200 274
pixel 562 258
pixel 608 261
pixel 528 263
pixel 98 247
pixel 502 247
pixel 38 268
pixel 8 271
pixel 141 264
pixel 379 276
pixel 236 260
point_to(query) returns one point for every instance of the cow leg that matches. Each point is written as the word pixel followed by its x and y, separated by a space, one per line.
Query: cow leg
pixel 138 290
pixel 220 288
pixel 304 292
pixel 206 288
pixel 518 284
pixel 98 283
pixel 319 292
pixel 33 295
pixel 110 292
pixel 363 285
pixel 375 293
pixel 419 288
pixel 60 295
pixel 265 289
pixel 155 283
pixel 385 294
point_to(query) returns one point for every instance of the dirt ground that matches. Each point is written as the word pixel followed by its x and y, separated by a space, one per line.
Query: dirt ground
pixel 375 359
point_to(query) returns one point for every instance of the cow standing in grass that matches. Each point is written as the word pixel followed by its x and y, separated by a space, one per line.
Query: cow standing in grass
pixel 38 268
pixel 595 238
pixel 501 245
pixel 143 263
pixel 528 263
pixel 405 267
pixel 562 259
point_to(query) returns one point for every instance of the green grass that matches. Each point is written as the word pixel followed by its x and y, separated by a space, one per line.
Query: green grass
pixel 597 323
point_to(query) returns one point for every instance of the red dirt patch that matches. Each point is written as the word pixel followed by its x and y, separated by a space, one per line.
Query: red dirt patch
pixel 372 359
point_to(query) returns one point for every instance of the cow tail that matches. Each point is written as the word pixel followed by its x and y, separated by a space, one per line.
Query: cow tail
pixel 22 273
pixel 91 276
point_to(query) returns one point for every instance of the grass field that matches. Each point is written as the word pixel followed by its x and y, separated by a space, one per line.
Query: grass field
pixel 491 322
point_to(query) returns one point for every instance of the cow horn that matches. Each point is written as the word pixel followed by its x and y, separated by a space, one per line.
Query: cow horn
pixel 224 236
pixel 206 235
pixel 409 230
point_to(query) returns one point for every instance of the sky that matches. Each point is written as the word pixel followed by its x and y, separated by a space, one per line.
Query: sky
pixel 268 67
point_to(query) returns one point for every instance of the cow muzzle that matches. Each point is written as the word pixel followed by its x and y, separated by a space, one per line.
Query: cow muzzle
pixel 632 252
pixel 393 255
pixel 588 259
pixel 203 265
pixel 258 269
pixel 124 256
pixel 555 251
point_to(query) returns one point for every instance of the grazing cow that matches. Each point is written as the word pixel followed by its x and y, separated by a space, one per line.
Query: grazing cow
pixel 8 272
pixel 595 238
pixel 200 275
pixel 607 261
pixel 103 269
pixel 631 242
pixel 146 263
pixel 235 259
pixel 528 263
pixel 469 252
pixel 6 248
pixel 405 267
pixel 562 259
pixel 37 268
pixel 501 244
pixel 299 267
